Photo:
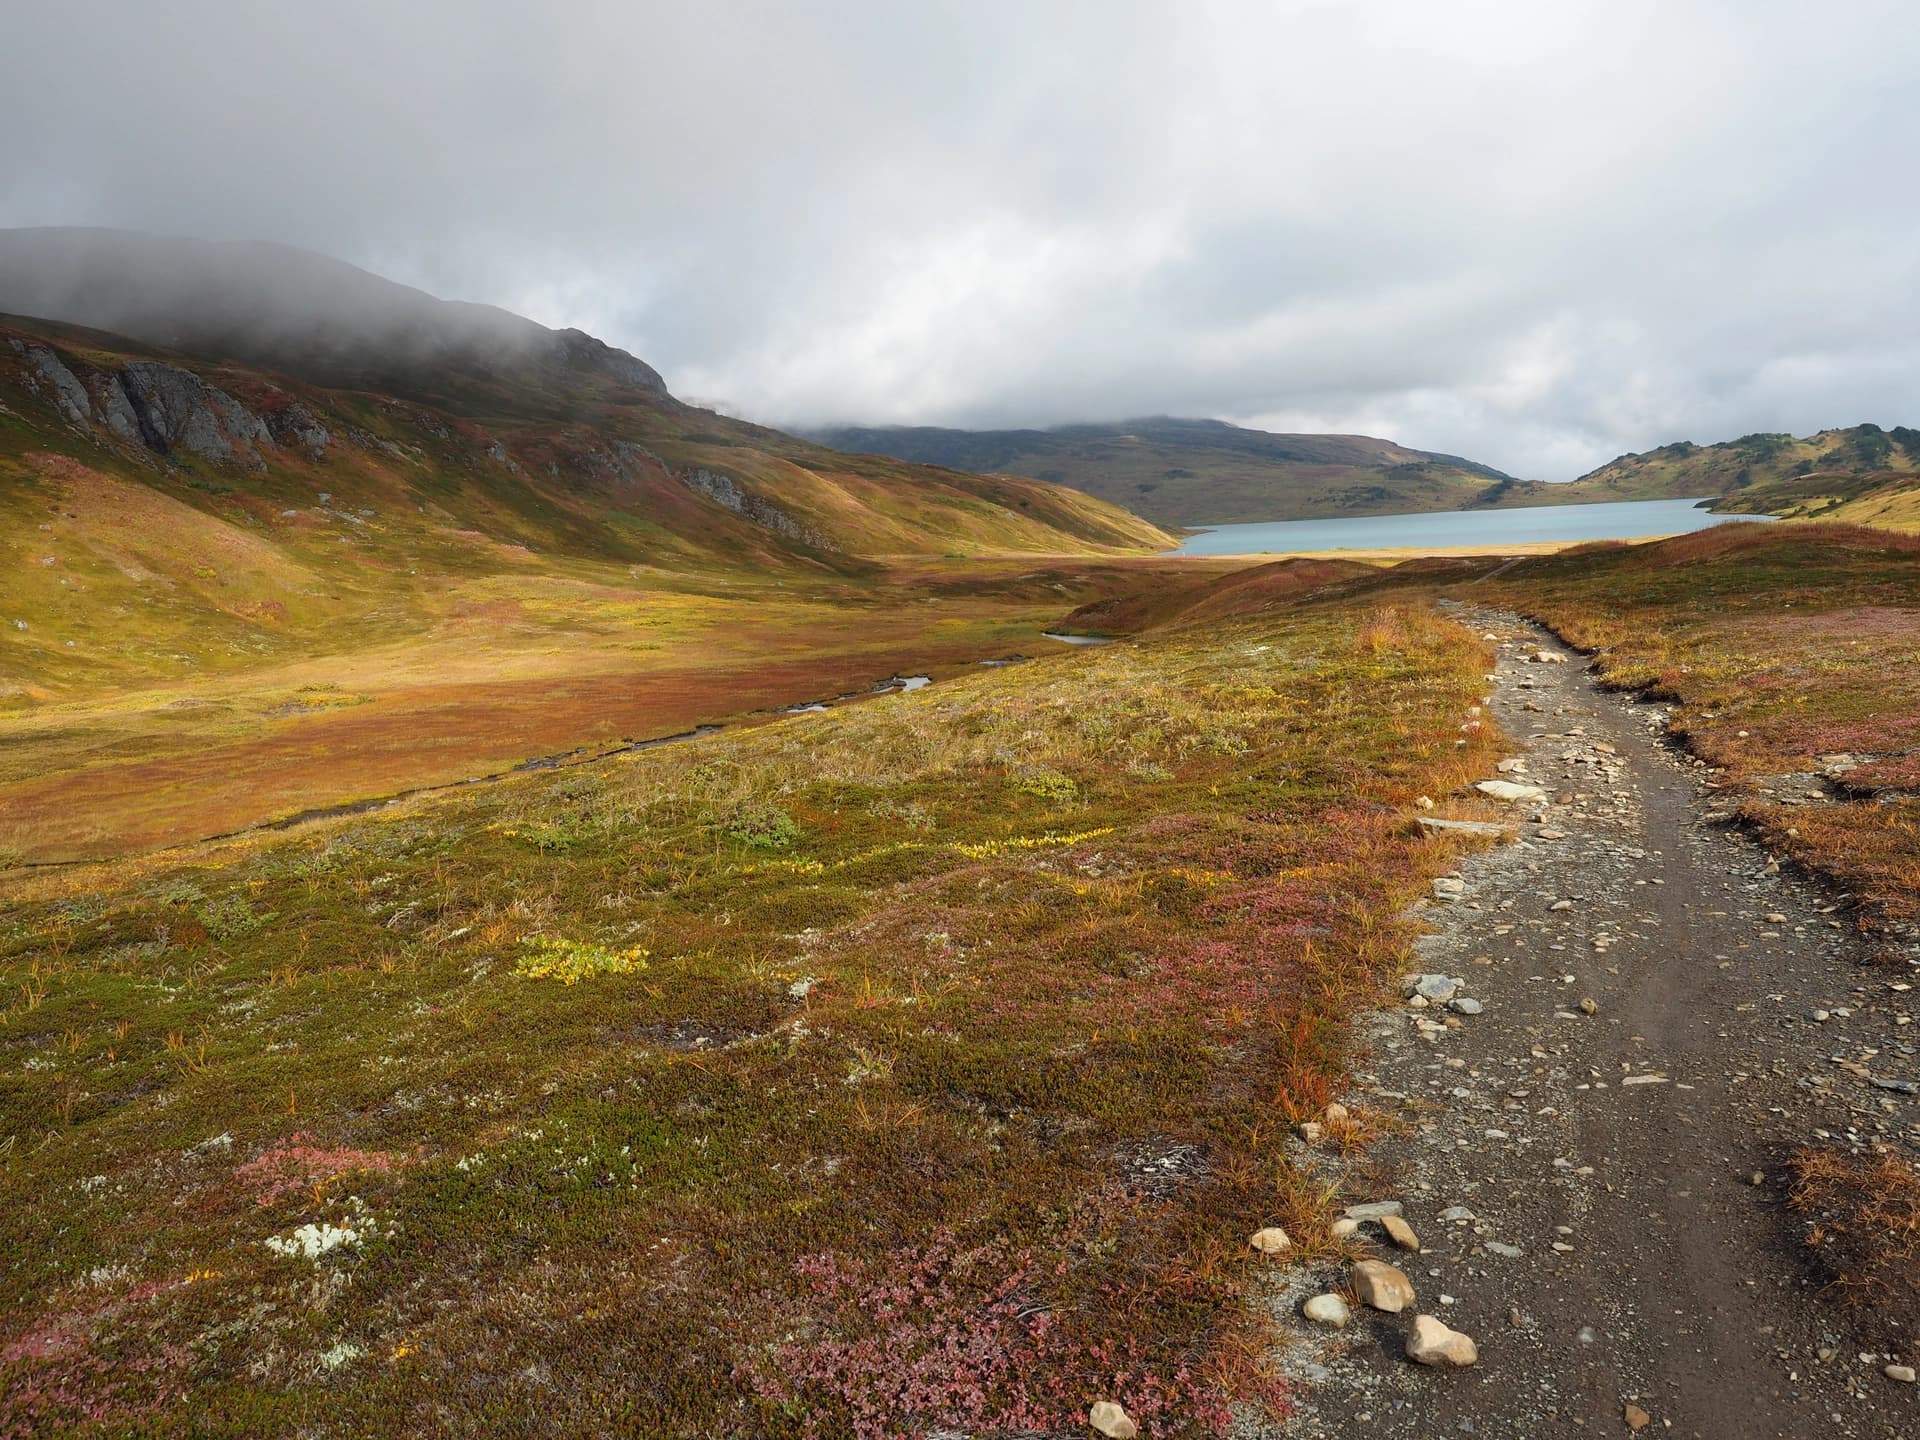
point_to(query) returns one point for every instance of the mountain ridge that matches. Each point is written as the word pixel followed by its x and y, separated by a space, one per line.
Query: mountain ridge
pixel 278 307
pixel 1751 462
pixel 1181 471
pixel 1186 472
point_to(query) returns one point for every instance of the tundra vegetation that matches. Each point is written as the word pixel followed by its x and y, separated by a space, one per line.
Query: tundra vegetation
pixel 920 1064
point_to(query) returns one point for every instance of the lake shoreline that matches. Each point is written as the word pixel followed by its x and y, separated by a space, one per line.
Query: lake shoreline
pixel 1529 530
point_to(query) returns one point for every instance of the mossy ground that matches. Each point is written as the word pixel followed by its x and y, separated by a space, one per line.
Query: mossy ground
pixel 952 1071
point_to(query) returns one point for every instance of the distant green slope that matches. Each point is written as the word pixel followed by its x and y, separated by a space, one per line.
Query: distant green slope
pixel 1200 472
pixel 1753 462
pixel 1887 499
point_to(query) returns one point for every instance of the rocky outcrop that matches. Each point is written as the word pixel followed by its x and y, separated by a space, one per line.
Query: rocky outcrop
pixel 167 409
pixel 293 424
pixel 68 393
pixel 723 489
pixel 177 410
pixel 577 350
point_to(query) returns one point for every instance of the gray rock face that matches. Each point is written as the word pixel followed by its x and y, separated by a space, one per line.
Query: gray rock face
pixel 116 411
pixel 725 490
pixel 68 393
pixel 294 424
pixel 177 410
pixel 164 408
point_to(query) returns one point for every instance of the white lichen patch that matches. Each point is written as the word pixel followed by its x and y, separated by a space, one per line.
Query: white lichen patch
pixel 312 1241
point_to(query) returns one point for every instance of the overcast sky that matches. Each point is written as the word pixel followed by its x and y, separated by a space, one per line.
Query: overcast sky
pixel 1537 234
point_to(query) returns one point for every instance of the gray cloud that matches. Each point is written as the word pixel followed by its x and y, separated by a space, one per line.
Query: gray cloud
pixel 1533 234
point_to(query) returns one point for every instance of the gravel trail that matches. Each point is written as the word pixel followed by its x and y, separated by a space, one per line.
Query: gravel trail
pixel 1663 1016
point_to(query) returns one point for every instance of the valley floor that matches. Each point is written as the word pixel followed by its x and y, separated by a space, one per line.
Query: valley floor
pixel 493 673
pixel 921 1064
pixel 925 1066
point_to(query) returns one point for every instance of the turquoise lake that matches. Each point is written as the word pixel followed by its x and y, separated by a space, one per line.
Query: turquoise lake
pixel 1627 521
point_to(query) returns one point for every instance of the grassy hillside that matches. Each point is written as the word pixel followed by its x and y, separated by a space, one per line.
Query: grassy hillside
pixel 1889 500
pixel 1753 462
pixel 228 594
pixel 1200 472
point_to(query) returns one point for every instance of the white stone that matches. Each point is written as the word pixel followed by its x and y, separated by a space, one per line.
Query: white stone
pixel 1110 1420
pixel 1270 1241
pixel 1432 1343
pixel 1382 1286
pixel 1510 792
pixel 1327 1309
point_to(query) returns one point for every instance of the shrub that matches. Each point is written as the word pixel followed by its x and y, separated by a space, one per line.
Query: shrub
pixel 1047 785
pixel 569 961
pixel 763 827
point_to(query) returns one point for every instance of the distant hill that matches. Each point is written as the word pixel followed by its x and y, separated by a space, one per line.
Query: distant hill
pixel 236 505
pixel 1201 472
pixel 1207 472
pixel 279 308
pixel 1751 463
pixel 1887 499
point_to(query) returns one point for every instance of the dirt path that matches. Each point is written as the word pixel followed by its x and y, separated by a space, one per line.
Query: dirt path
pixel 1583 1184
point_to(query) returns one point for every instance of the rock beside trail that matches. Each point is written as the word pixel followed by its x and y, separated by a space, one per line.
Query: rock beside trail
pixel 1328 1309
pixel 1507 790
pixel 1383 1286
pixel 1432 1343
pixel 1374 1210
pixel 1107 1418
pixel 1636 1418
pixel 1433 825
pixel 1433 986
pixel 1400 1232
